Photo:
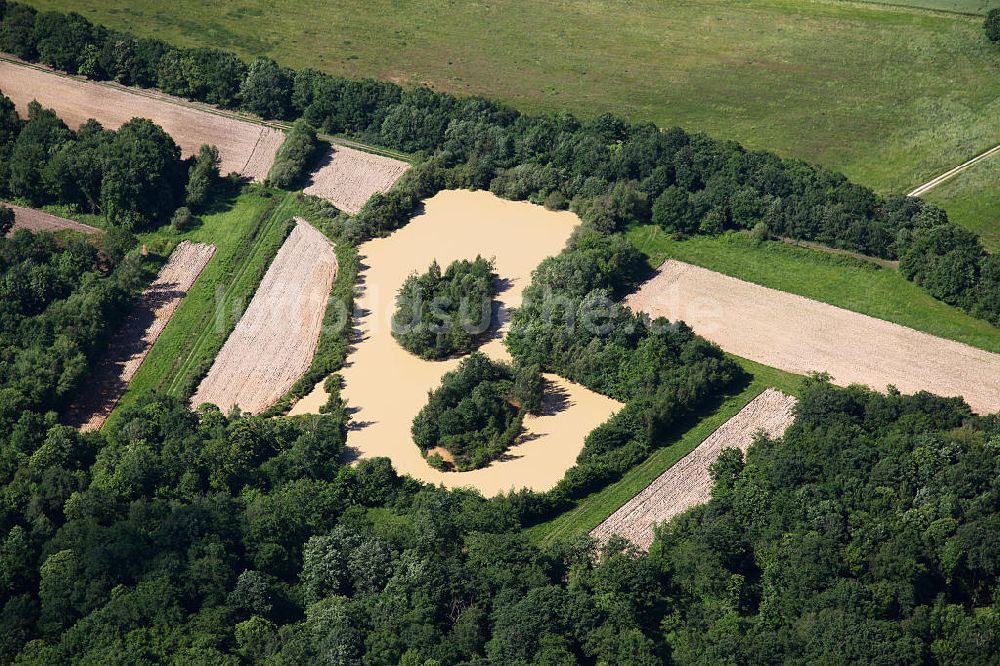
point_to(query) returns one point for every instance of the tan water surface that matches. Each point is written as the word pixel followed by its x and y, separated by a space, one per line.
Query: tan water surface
pixel 387 385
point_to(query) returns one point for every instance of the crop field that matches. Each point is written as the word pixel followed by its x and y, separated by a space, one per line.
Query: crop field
pixel 37 220
pixel 273 343
pixel 688 483
pixel 347 178
pixel 796 76
pixel 132 342
pixel 838 280
pixel 248 231
pixel 590 511
pixel 800 335
pixel 245 147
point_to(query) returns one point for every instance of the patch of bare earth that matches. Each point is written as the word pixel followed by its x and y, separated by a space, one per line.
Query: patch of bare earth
pixel 800 335
pixel 348 178
pixel 688 483
pixel 36 220
pixel 129 346
pixel 386 386
pixel 245 147
pixel 274 341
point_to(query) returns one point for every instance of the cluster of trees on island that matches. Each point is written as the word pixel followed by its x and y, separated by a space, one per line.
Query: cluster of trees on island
pixel 443 314
pixel 478 411
pixel 613 173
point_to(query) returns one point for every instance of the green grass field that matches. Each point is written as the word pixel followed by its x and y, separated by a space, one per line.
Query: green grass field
pixel 972 199
pixel 842 281
pixel 247 232
pixel 591 510
pixel 890 95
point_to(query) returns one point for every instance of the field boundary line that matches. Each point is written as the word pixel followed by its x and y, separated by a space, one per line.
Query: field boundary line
pixel 159 95
pixel 948 175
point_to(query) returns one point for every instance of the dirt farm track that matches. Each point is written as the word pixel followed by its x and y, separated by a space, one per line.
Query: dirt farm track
pixel 245 147
pixel 800 335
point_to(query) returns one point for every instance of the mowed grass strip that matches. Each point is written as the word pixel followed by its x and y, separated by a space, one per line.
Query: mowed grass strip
pixel 972 200
pixel 842 281
pixel 247 232
pixel 590 511
pixel 891 95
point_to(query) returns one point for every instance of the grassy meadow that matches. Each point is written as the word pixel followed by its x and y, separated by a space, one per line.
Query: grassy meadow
pixel 831 278
pixel 960 6
pixel 972 199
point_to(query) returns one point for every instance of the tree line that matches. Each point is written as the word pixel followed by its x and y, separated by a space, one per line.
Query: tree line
pixel 134 177
pixel 613 173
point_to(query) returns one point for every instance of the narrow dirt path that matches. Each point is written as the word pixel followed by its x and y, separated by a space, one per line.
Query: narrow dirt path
pixel 948 175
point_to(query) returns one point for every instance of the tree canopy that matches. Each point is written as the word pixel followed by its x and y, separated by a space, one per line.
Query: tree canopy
pixel 476 414
pixel 443 314
pixel 134 176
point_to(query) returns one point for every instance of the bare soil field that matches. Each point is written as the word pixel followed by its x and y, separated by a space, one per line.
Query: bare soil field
pixel 688 483
pixel 36 220
pixel 387 385
pixel 274 341
pixel 800 335
pixel 348 178
pixel 245 147
pixel 128 348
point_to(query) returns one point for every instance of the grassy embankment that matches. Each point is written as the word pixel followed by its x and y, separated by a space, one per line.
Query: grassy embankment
pixel 842 281
pixel 247 231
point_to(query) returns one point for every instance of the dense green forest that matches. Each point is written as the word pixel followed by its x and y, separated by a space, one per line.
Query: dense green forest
pixel 133 176
pixel 440 315
pixel 866 536
pixel 477 412
pixel 59 303
pixel 611 172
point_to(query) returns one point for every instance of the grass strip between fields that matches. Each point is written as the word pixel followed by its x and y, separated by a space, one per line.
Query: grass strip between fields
pixel 247 232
